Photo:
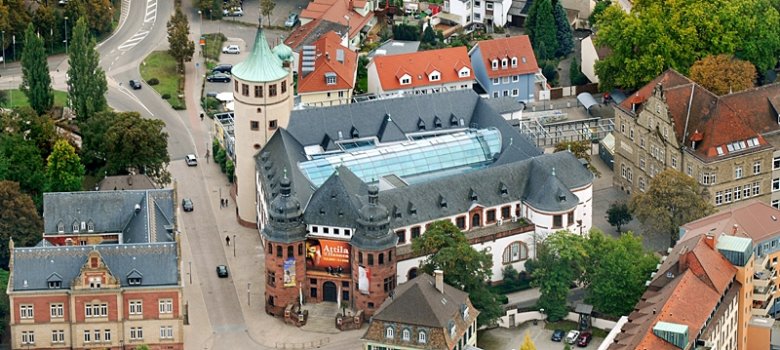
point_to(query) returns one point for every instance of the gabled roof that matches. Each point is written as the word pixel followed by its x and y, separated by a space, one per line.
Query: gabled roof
pixel 329 52
pixel 336 202
pixel 126 182
pixel 448 61
pixel 336 11
pixel 310 32
pixel 518 46
pixel 419 297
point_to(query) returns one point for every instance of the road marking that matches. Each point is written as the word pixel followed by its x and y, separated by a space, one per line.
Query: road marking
pixel 150 16
pixel 122 20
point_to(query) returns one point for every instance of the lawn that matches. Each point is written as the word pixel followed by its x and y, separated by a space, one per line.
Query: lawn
pixel 162 66
pixel 213 46
pixel 16 98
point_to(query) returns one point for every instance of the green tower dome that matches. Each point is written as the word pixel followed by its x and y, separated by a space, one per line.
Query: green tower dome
pixel 262 65
pixel 283 51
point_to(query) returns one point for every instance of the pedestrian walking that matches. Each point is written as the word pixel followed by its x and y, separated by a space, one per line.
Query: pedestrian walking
pixel 227 240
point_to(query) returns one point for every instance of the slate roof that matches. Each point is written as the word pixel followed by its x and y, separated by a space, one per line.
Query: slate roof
pixel 310 32
pixel 126 182
pixel 327 53
pixel 157 263
pixel 113 212
pixel 518 46
pixel 420 297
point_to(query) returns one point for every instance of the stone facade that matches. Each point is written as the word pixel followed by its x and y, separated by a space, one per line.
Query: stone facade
pixel 382 277
pixel 278 292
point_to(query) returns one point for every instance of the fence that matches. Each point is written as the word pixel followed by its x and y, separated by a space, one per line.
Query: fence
pixel 304 345
pixel 514 318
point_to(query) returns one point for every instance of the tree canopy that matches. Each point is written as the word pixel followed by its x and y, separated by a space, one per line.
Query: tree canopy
pixel 64 171
pixel 527 344
pixel 36 82
pixel 658 35
pixel 132 143
pixel 18 220
pixel 723 74
pixel 180 45
pixel 672 200
pixel 541 28
pixel 618 215
pixel 267 9
pixel 580 150
pixel 464 267
pixel 86 80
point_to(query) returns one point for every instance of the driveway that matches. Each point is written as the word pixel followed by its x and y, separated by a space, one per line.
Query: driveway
pixel 512 338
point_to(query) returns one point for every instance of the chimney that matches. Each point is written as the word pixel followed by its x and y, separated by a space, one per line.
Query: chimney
pixel 439 276
pixel 734 230
pixel 682 263
pixel 710 239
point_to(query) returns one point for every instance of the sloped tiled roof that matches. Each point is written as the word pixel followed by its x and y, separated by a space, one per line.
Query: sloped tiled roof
pixel 518 46
pixel 447 61
pixel 419 297
pixel 327 61
pixel 310 32
pixel 335 11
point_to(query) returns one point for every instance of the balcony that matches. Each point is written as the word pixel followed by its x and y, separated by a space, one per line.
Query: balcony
pixel 765 275
pixel 761 308
pixel 762 294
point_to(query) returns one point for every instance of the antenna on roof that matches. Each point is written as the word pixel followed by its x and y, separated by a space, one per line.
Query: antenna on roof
pixel 553 171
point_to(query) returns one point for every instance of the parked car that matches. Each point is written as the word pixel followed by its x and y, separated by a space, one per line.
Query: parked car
pixel 292 20
pixel 186 204
pixel 235 12
pixel 191 160
pixel 218 78
pixel 222 271
pixel 231 49
pixel 222 68
pixel 584 339
pixel 571 338
pixel 558 335
pixel 135 84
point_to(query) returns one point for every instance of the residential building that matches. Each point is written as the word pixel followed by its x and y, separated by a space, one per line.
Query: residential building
pixel 506 67
pixel 421 72
pixel 589 55
pixel 357 15
pixel 307 34
pixel 106 274
pixel 443 318
pixel 328 73
pixel 674 123
pixel 489 13
pixel 394 47
pixel 343 191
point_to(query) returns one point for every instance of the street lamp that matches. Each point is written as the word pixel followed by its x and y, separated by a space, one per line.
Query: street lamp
pixel 3 47
pixel 234 246
pixel 190 273
pixel 248 288
pixel 66 35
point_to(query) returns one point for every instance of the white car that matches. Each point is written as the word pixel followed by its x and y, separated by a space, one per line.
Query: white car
pixel 232 49
pixel 572 336
pixel 235 12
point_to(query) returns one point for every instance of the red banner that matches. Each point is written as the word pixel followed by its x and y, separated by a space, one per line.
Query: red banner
pixel 327 255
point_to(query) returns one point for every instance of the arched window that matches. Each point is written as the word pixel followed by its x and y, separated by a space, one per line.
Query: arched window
pixel 270 249
pixel 422 338
pixel 476 220
pixel 290 252
pixel 514 252
pixel 389 333
pixel 406 334
pixel 381 258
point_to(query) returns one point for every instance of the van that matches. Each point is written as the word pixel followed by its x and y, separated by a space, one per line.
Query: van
pixel 191 160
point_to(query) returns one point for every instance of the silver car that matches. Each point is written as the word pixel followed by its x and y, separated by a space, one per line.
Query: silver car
pixel 231 49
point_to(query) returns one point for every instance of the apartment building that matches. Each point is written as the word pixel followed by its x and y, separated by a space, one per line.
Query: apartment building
pixel 422 72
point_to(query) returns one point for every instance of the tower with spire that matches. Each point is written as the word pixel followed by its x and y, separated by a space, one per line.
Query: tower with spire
pixel 263 95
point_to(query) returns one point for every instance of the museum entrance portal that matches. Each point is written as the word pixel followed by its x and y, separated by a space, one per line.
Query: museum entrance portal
pixel 329 292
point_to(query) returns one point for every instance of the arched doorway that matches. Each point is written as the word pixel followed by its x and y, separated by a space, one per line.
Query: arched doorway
pixel 329 292
pixel 412 273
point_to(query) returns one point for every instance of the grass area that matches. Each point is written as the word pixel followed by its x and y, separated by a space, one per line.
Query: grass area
pixel 162 66
pixel 213 46
pixel 569 325
pixel 17 98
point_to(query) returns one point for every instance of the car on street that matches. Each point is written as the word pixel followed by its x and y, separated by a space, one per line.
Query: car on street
pixel 222 68
pixel 231 49
pixel 135 84
pixel 218 78
pixel 571 338
pixel 186 204
pixel 222 271
pixel 191 160
pixel 584 339
pixel 558 335
pixel 292 20
pixel 234 12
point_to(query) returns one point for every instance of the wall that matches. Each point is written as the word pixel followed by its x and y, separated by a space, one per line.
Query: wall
pixel 326 98
pixel 589 57
pixel 522 317
pixel 373 79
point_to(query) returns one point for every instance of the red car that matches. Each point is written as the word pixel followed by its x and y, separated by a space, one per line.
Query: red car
pixel 584 339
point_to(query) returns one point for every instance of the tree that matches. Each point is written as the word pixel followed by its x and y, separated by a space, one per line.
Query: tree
pixel 406 32
pixel 93 133
pixel 36 82
pixel 133 143
pixel 38 129
pixel 563 33
pixel 723 74
pixel 558 263
pixel 267 9
pixel 580 150
pixel 86 80
pixel 598 10
pixel 64 172
pixel 464 267
pixel 211 9
pixel 23 165
pixel 672 200
pixel 576 76
pixel 18 220
pixel 618 215
pixel 45 21
pixel 428 37
pixel 528 344
pixel 180 45
pixel 3 98
pixel 541 29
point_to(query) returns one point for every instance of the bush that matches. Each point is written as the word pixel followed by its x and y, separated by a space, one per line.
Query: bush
pixel 550 71
pixel 221 157
pixel 166 96
pixel 575 74
pixel 230 170
pixel 153 81
pixel 215 148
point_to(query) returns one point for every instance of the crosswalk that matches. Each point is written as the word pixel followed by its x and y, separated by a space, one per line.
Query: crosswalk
pixel 150 17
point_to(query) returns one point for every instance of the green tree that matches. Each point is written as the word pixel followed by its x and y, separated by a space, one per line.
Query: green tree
pixel 64 171
pixel 566 347
pixel 36 82
pixel 87 85
pixel 723 74
pixel 527 344
pixel 18 220
pixel 14 21
pixel 428 37
pixel 576 76
pixel 4 98
pixel 267 9
pixel 37 129
pixel 180 45
pixel 558 263
pixel 135 143
pixel 598 10
pixel 23 164
pixel 465 268
pixel 618 215
pixel 93 133
pixel 672 200
pixel 406 32
pixel 540 26
pixel 45 25
pixel 563 30
pixel 98 14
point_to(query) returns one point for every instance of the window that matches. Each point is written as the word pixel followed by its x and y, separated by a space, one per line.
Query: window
pixel 756 188
pixel 166 305
pixel 460 222
pixel 381 258
pixel 504 62
pixel 477 16
pixel 107 335
pixel 341 93
pixel 401 236
pixel 422 338
pixel 674 162
pixel 258 91
pixel 642 163
pixel 370 259
pixel 291 250
pixel 389 283
pixel 623 128
pixel 96 310
pixel 270 278
pixel 757 167
pixel 284 86
pixel 330 79
pixel 631 133
pixel 272 90
pixel 406 81
pixel 476 3
pixel 166 332
pixel 406 334
pixel 738 173
pixel 136 333
pixel 495 94
pixel 776 163
pixel 707 179
pixel 505 80
pixel 776 203
pixel 491 216
pixel 300 249
pixel 25 311
pixel 642 184
pixel 737 193
pixel 136 307
pixel 235 85
pixel 514 62
pixel 642 142
pixel 727 196
pixel 28 337
pixel 415 232
pixel 557 221
pixel 435 77
pixel 690 170
pixel 505 212
pixel 87 336
pixel 776 184
pixel 495 81
pixel 515 92
pixel 746 191
pixel 58 336
pixel 505 93
pixel 97 335
pixel 514 252
pixel 245 89
pixel 56 310
pixel 389 332
pixel 494 65
pixel 273 124
pixel 254 125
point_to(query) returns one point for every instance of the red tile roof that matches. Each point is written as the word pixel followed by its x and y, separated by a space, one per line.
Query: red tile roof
pixel 447 61
pixel 718 120
pixel 755 220
pixel 335 11
pixel 514 46
pixel 326 62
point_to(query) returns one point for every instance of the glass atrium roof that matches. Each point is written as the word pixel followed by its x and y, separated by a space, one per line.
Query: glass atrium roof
pixel 462 150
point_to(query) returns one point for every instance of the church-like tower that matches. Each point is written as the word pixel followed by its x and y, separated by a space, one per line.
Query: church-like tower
pixel 263 95
pixel 373 255
pixel 285 258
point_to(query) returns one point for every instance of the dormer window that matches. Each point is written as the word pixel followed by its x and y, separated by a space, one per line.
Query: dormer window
pixel 420 124
pixel 473 195
pixel 330 78
pixel 90 226
pixel 60 227
pixel 55 284
pixel 434 76
pixel 452 328
pixel 422 338
pixel 453 120
pixel 504 190
pixel 75 226
pixel 406 81
pixel 389 332
pixel 406 334
pixel 464 72
pixel 437 122
pixel 514 62
pixel 95 282
pixel 465 312
pixel 134 281
pixel 494 64
pixel 54 281
pixel 354 133
pixel 504 63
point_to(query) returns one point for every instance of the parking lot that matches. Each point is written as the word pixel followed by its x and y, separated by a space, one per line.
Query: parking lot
pixel 512 338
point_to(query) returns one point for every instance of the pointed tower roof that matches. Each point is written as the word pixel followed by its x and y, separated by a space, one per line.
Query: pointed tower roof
pixel 262 65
